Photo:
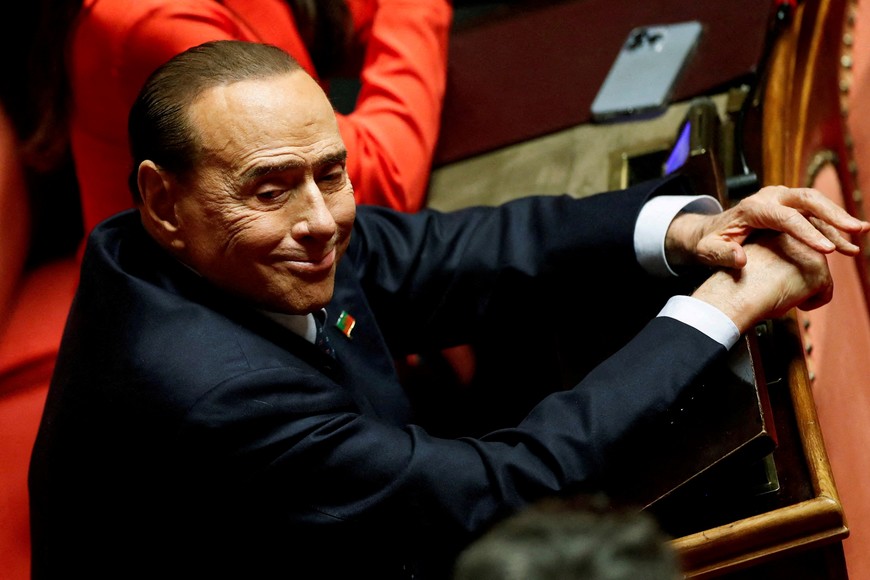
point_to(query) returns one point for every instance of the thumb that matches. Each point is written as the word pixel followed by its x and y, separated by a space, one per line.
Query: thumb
pixel 722 253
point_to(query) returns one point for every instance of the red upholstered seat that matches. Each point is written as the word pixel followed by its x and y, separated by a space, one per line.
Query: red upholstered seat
pixel 838 335
pixel 837 340
pixel 825 109
pixel 33 310
pixel 858 112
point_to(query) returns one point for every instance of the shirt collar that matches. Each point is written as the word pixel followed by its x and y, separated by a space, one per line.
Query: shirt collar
pixel 300 324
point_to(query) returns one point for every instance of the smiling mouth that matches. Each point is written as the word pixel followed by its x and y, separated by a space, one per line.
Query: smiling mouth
pixel 323 264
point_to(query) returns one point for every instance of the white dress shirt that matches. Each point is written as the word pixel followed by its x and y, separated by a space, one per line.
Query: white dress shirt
pixel 301 324
pixel 649 244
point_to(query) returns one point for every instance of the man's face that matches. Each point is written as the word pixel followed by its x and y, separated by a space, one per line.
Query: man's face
pixel 267 212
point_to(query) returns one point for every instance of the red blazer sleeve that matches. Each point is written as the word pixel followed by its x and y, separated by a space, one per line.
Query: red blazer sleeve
pixel 392 132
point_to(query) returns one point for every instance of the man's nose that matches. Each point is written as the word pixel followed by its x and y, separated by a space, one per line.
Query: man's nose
pixel 314 219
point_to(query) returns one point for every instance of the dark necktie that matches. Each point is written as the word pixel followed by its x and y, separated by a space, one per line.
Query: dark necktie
pixel 321 340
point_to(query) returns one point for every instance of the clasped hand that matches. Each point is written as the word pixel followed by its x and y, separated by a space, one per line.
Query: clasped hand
pixel 803 213
pixel 769 273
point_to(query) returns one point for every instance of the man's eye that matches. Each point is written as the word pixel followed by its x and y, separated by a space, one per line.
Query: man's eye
pixel 332 178
pixel 270 195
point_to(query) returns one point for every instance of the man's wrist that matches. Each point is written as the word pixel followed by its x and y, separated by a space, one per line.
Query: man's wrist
pixel 655 220
pixel 704 317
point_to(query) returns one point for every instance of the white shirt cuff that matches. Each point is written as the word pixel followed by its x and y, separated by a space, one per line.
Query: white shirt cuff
pixel 652 226
pixel 703 317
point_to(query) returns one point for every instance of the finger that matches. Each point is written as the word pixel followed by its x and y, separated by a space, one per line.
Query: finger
pixel 814 203
pixel 791 221
pixel 844 246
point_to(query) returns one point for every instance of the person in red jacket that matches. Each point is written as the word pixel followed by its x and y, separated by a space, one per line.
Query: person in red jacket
pixel 399 48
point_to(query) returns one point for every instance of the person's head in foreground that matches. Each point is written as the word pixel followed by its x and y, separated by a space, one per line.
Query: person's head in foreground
pixel 580 539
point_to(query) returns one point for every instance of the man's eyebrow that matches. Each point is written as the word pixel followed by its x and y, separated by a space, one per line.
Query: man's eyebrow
pixel 339 156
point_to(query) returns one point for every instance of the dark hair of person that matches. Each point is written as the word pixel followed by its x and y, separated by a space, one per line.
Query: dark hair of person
pixel 326 29
pixel 43 99
pixel 158 125
pixel 581 539
pixel 36 96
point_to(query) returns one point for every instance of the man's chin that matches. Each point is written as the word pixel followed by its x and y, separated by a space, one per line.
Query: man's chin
pixel 310 302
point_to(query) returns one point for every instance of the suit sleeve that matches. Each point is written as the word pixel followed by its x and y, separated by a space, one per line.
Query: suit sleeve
pixel 451 275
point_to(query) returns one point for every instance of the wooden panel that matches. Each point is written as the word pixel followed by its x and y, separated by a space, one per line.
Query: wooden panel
pixel 803 123
pixel 816 520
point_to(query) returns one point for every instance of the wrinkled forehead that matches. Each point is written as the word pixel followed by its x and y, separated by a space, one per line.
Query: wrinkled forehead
pixel 280 107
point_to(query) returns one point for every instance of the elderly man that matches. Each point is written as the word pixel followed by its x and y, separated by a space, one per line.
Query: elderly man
pixel 204 422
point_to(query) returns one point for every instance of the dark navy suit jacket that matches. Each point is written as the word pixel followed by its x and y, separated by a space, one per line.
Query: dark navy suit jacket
pixel 186 434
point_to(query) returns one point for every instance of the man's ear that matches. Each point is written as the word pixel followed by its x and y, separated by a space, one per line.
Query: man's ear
pixel 158 205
